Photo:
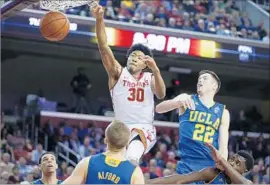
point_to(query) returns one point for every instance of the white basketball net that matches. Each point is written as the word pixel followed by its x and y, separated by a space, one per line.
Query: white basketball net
pixel 66 4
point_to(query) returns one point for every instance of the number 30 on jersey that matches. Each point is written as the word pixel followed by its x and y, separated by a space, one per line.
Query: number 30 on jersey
pixel 136 94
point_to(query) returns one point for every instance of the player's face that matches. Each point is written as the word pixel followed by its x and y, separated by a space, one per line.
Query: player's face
pixel 238 163
pixel 48 163
pixel 136 62
pixel 206 83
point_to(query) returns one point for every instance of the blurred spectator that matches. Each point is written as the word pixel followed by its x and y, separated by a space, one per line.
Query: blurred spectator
pixel 160 161
pixel 80 84
pixel 36 172
pixel 74 142
pixel 36 154
pixel 84 150
pixel 154 170
pixel 29 179
pixel 5 164
pixel 266 38
pixel 4 177
pixel 266 177
pixel 62 170
pixel 29 159
pixel 15 178
pixel 23 167
pixel 20 152
pixel 28 146
pixel 69 172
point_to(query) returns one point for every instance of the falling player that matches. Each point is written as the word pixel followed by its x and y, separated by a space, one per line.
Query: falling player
pixel 201 120
pixel 132 90
pixel 110 167
pixel 48 167
pixel 230 172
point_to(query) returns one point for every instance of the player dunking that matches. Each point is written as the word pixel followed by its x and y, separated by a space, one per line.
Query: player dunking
pixel 110 167
pixel 132 90
pixel 201 120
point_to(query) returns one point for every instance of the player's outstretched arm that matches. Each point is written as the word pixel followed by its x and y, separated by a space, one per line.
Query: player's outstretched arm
pixel 206 174
pixel 180 102
pixel 112 66
pixel 224 134
pixel 137 177
pixel 78 175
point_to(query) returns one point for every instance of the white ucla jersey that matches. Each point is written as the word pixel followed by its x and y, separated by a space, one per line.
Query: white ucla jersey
pixel 133 100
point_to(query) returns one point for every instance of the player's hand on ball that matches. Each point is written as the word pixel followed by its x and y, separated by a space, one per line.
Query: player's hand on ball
pixel 186 101
pixel 151 64
pixel 98 12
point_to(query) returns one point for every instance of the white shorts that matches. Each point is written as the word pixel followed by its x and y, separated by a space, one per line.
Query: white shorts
pixel 147 134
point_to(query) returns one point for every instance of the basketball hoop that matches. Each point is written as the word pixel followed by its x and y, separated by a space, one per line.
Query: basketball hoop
pixel 66 4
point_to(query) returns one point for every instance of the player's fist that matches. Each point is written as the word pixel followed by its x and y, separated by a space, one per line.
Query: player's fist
pixel 186 101
pixel 98 12
pixel 150 63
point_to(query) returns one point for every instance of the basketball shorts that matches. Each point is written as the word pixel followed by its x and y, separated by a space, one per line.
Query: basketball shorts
pixel 147 134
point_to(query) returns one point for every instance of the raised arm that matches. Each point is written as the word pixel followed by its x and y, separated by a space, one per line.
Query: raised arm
pixel 112 66
pixel 224 134
pixel 78 175
pixel 180 102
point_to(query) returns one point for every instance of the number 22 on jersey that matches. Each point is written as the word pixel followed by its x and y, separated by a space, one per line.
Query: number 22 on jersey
pixel 203 133
pixel 136 94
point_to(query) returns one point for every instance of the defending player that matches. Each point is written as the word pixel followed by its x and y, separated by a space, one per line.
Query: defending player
pixel 132 90
pixel 110 167
pixel 48 167
pixel 201 120
pixel 226 172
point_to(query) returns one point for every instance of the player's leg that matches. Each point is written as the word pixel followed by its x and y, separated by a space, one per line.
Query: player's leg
pixel 143 139
pixel 135 150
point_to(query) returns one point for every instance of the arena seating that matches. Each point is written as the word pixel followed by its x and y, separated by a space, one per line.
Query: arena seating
pixel 214 17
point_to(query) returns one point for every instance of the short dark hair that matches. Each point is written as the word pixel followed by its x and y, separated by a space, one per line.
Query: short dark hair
pixel 248 157
pixel 140 47
pixel 213 75
pixel 39 161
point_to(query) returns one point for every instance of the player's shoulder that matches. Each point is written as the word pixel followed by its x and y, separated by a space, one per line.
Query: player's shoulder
pixel 86 160
pixel 226 113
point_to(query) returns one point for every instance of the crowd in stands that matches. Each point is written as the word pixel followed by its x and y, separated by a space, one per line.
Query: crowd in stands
pixel 208 16
pixel 19 162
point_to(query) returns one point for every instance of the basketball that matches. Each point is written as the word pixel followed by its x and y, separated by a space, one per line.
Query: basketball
pixel 54 26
